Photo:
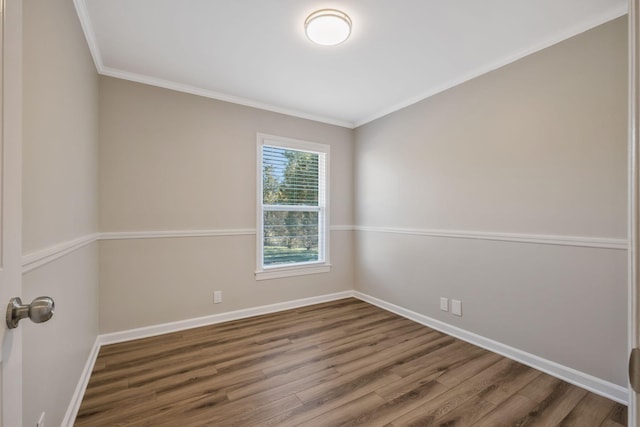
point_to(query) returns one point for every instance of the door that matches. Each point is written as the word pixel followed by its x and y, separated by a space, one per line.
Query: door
pixel 10 206
pixel 634 212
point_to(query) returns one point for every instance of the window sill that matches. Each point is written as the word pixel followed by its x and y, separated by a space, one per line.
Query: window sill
pixel 277 273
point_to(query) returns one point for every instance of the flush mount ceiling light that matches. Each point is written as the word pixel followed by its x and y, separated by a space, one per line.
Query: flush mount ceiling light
pixel 328 27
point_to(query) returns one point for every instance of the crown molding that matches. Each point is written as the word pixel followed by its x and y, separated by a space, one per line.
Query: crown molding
pixel 87 27
pixel 89 33
pixel 555 39
pixel 220 96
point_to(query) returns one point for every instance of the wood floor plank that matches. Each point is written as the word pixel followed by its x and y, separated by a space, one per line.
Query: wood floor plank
pixel 540 388
pixel 309 376
pixel 467 413
pixel 420 394
pixel 457 369
pixel 521 408
pixel 456 351
pixel 619 414
pixel 456 396
pixel 245 413
pixel 512 412
pixel 342 362
pixel 394 325
pixel 489 398
pixel 344 413
pixel 591 411
pixel 435 371
pixel 340 391
pixel 334 398
pixel 367 367
pixel 106 388
pixel 553 409
pixel 500 391
pixel 416 348
pixel 294 387
pixel 347 354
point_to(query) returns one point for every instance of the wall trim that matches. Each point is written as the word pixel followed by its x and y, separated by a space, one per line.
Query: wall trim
pixel 89 33
pixel 125 235
pixel 589 382
pixel 78 394
pixel 540 239
pixel 180 325
pixel 44 256
pixel 342 227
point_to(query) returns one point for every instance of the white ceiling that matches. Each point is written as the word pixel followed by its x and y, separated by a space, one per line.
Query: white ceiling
pixel 254 52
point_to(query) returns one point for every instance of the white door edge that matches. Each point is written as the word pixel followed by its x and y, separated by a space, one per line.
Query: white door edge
pixel 11 206
pixel 633 198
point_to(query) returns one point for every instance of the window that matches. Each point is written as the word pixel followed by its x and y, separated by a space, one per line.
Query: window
pixel 292 207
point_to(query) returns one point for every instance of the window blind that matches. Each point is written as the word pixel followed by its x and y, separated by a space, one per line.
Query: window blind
pixel 293 202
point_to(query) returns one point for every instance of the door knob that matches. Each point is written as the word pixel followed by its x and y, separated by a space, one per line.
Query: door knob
pixel 40 310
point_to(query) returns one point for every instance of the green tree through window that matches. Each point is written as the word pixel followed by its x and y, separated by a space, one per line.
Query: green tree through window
pixel 291 208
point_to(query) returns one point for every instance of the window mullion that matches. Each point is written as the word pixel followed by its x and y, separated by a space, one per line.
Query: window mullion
pixel 294 208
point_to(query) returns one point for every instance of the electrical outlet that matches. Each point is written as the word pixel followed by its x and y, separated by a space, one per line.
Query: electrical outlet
pixel 444 304
pixel 217 297
pixel 40 422
pixel 456 307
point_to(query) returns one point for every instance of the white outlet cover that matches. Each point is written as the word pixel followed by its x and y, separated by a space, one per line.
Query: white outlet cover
pixel 444 304
pixel 217 297
pixel 456 307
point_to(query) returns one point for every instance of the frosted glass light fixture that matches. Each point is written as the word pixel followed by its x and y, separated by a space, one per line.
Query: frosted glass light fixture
pixel 328 27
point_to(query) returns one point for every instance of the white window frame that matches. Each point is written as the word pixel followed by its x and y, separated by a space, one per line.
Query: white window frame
pixel 323 265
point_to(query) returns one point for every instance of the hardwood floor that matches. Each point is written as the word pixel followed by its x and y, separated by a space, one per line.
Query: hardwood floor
pixel 343 363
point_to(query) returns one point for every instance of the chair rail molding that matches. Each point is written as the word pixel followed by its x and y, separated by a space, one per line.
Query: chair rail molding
pixel 163 234
pixel 38 258
pixel 540 239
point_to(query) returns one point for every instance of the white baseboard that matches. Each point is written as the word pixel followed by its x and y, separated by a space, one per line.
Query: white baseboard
pixel 76 399
pixel 150 331
pixel 570 375
pixel 589 382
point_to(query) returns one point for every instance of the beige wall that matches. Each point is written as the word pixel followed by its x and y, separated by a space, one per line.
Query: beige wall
pixel 173 161
pixel 60 102
pixel 60 127
pixel 536 147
